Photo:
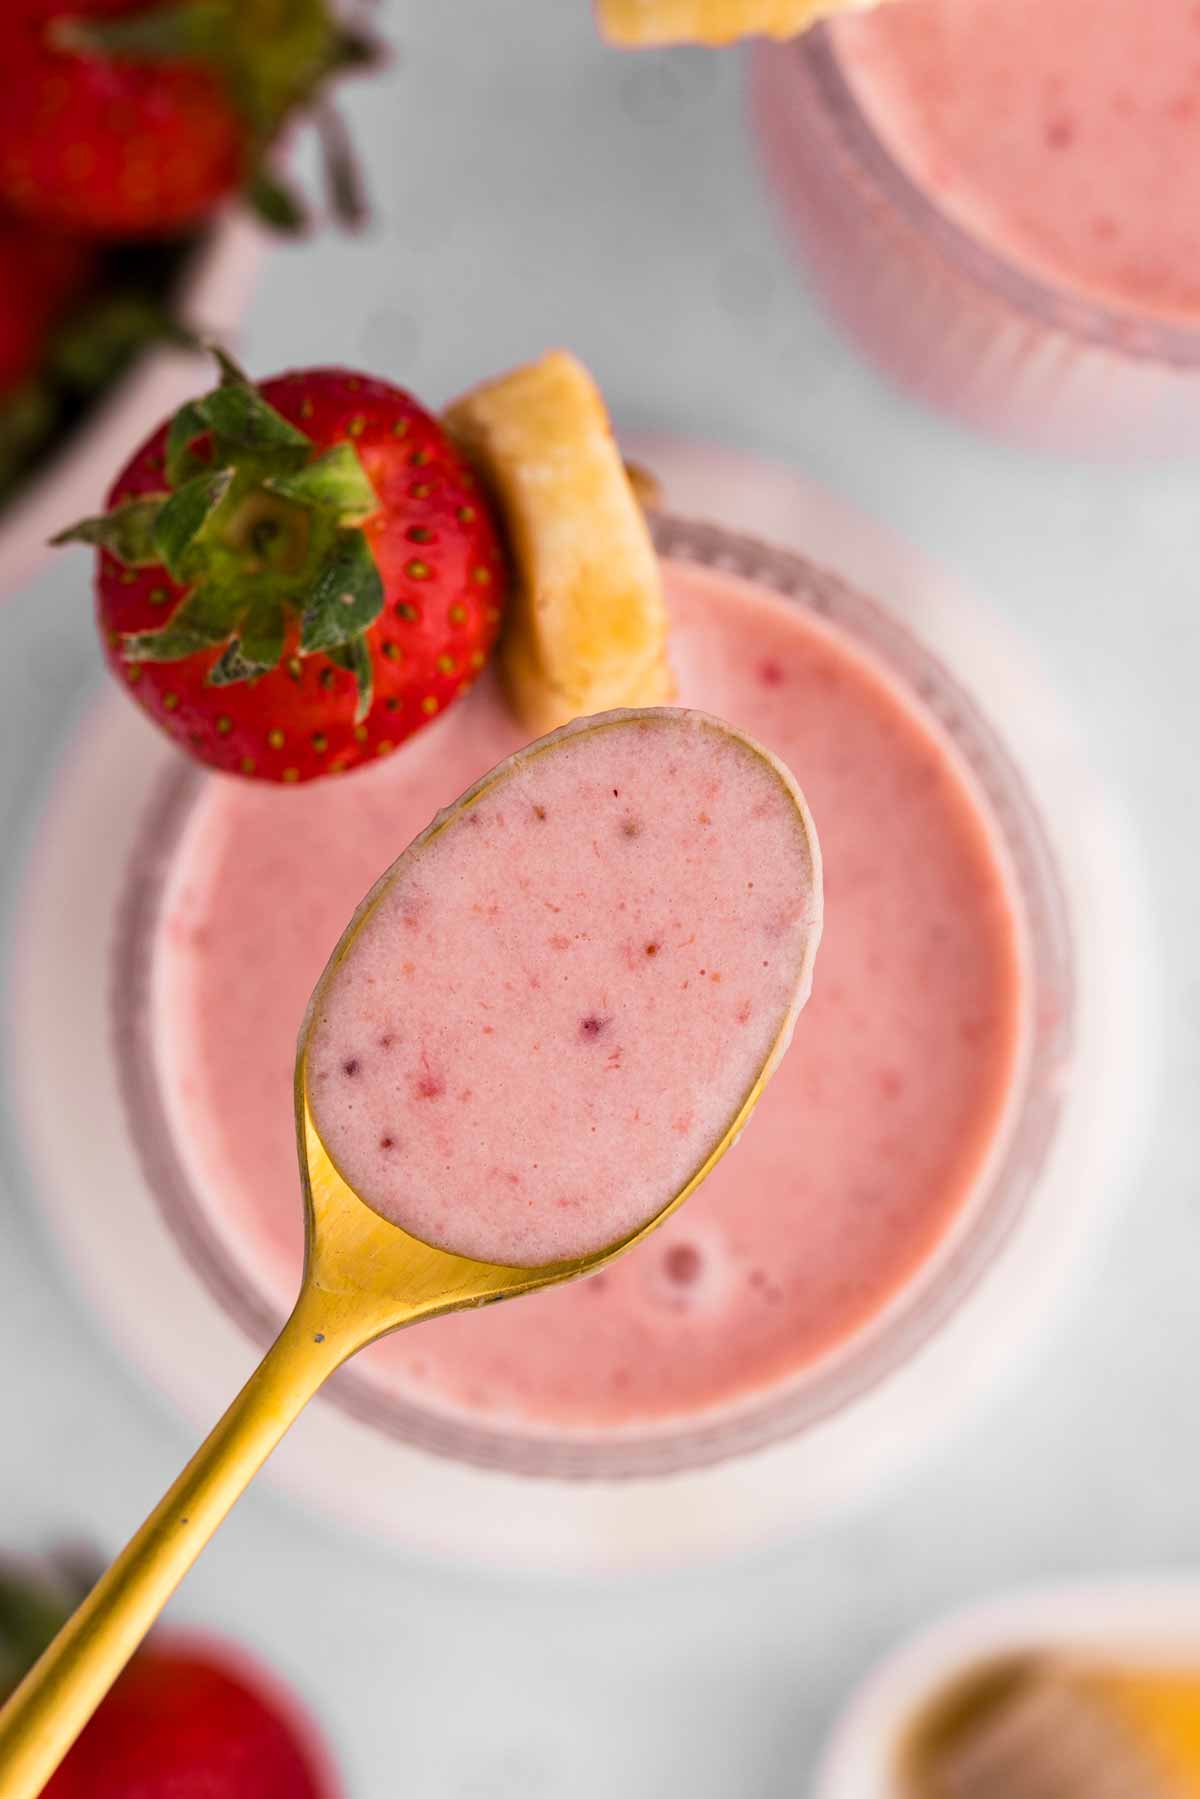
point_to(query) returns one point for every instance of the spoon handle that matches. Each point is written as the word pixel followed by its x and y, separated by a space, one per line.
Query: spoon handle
pixel 61 1691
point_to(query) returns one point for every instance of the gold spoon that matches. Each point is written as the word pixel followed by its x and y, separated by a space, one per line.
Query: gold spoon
pixel 363 1277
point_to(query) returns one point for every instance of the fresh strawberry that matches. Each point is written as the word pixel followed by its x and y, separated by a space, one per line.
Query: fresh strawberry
pixel 190 1718
pixel 41 273
pixel 131 118
pixel 293 579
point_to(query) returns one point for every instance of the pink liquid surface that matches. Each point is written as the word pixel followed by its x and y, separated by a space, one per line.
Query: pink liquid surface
pixel 1061 133
pixel 864 1149
pixel 555 1009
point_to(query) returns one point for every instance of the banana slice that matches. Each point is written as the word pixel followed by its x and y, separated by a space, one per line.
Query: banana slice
pixel 587 624
pixel 644 22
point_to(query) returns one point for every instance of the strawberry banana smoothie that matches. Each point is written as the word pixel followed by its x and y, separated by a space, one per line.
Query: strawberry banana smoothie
pixel 1060 133
pixel 556 1005
pixel 997 199
pixel 865 1148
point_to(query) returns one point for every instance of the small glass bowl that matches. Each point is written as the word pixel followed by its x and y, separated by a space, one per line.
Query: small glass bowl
pixel 945 1281
pixel 938 311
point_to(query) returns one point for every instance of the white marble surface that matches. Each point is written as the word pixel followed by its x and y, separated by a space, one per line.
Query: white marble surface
pixel 532 188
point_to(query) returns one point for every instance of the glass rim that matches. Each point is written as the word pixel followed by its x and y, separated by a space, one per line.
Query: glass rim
pixel 922 1306
pixel 1123 330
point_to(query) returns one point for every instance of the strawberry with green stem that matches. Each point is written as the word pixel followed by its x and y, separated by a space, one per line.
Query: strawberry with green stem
pixel 190 1718
pixel 293 579
pixel 132 118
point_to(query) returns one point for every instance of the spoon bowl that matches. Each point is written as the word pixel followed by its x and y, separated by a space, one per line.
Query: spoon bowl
pixel 365 1273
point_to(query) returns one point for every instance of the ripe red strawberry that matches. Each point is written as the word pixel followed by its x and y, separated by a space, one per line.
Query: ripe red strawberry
pixel 41 272
pixel 130 118
pixel 190 1718
pixel 294 579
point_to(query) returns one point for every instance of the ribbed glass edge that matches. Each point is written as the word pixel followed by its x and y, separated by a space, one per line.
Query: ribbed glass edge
pixel 1115 329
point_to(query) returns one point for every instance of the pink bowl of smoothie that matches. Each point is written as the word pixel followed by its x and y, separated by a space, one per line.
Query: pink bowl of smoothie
pixel 999 200
pixel 887 1164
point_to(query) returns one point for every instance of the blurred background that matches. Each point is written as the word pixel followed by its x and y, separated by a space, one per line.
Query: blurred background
pixel 531 187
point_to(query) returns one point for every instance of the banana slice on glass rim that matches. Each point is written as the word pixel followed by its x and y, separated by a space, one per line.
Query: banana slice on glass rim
pixel 642 23
pixel 586 629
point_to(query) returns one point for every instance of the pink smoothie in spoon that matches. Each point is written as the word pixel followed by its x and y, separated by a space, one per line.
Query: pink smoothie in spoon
pixel 553 1010
pixel 865 1149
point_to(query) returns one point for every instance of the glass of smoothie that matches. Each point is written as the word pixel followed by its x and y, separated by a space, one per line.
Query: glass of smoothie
pixel 894 1153
pixel 1000 200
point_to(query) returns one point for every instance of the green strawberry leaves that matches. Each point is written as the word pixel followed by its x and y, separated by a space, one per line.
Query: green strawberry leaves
pixel 31 1615
pixel 35 1602
pixel 199 622
pixel 240 418
pixel 100 337
pixel 336 481
pixel 256 650
pixel 356 658
pixel 126 533
pixel 181 459
pixel 263 631
pixel 235 665
pixel 155 528
pixel 275 204
pixel 192 29
pixel 347 597
pixel 263 532
pixel 184 516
